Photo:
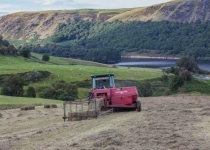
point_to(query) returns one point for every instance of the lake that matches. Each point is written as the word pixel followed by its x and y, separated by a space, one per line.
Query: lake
pixel 157 63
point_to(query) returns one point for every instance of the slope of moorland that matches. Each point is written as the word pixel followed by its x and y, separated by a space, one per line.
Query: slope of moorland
pixel 176 10
pixel 31 25
pixel 180 122
pixel 40 25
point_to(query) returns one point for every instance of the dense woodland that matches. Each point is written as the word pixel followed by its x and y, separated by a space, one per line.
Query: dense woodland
pixel 105 42
pixel 80 39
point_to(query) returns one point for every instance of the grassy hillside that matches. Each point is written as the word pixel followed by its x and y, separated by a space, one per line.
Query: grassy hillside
pixel 29 25
pixel 63 70
pixel 69 61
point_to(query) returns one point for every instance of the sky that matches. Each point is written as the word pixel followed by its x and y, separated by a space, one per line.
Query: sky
pixel 11 6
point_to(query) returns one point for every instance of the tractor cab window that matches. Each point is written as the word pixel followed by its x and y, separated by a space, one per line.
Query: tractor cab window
pixel 103 82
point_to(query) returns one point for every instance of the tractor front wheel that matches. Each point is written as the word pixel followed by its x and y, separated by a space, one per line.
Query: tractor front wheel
pixel 138 106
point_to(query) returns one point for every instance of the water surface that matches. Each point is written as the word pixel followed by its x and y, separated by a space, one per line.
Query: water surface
pixel 157 63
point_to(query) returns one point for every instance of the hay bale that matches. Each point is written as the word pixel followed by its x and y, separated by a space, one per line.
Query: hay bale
pixel 31 107
pixel 46 106
pixel 83 115
pixel 92 114
pixel 53 106
pixel 99 102
pixel 69 116
pixel 77 116
pixel 24 108
pixel 50 106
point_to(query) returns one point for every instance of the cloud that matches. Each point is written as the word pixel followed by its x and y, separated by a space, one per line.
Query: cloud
pixel 41 5
pixel 8 8
pixel 49 2
pixel 5 6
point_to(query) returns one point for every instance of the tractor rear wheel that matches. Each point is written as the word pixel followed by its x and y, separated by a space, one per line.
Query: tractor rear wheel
pixel 138 106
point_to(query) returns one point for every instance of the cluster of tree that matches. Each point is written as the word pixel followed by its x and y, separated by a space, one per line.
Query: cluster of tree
pixel 28 77
pixel 60 90
pixel 103 56
pixel 164 37
pixel 13 86
pixel 6 48
pixel 183 72
pixel 93 54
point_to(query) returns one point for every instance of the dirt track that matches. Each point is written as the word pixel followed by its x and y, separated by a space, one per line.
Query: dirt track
pixel 165 123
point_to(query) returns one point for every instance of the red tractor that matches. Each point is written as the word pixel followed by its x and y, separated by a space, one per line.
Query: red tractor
pixel 103 86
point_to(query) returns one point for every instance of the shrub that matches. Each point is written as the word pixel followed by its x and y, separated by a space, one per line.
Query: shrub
pixel 181 90
pixel 145 89
pixel 59 90
pixel 48 93
pixel 164 78
pixel 167 92
pixel 185 74
pixel 13 86
pixel 30 92
pixel 45 57
pixel 176 82
pixel 187 63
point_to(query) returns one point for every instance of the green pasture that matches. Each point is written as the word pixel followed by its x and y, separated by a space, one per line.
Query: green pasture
pixel 63 69
pixel 9 101
pixel 69 61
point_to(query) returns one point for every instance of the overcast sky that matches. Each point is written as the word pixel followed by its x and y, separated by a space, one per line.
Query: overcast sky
pixel 10 6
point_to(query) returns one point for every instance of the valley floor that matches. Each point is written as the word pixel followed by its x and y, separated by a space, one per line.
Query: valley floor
pixel 181 122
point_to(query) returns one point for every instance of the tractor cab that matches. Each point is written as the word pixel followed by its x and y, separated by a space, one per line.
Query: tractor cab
pixel 103 81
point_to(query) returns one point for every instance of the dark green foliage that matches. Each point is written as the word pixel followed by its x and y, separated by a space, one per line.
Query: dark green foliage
pixel 186 75
pixel 13 86
pixel 188 64
pixel 173 70
pixel 34 75
pixel 145 89
pixel 60 90
pixel 68 87
pixel 30 92
pixel 25 52
pixel 177 81
pixel 164 78
pixel 84 84
pixel 167 92
pixel 45 57
pixel 197 85
pixel 28 77
pixel 48 93
pixel 103 56
pixel 160 38
pixel 6 48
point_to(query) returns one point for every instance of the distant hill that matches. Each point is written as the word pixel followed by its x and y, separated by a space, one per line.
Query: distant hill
pixel 176 10
pixel 27 25
pixel 40 25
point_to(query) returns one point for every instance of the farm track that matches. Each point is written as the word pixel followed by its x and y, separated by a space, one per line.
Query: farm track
pixel 165 123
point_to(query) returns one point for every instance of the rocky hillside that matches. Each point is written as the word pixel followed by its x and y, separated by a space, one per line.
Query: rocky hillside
pixel 29 25
pixel 177 10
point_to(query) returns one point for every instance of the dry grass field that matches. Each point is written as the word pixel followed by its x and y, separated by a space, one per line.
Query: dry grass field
pixel 181 123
